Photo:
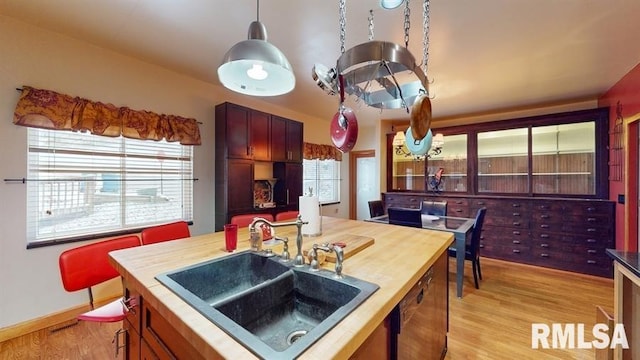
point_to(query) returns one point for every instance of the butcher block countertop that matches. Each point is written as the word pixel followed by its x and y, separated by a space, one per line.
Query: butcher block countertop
pixel 395 261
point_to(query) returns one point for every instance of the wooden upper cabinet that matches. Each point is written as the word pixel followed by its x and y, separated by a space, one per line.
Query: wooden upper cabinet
pixel 237 132
pixel 286 139
pixel 278 138
pixel 294 141
pixel 260 135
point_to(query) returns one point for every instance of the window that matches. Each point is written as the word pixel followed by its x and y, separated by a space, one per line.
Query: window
pixel 323 178
pixel 82 185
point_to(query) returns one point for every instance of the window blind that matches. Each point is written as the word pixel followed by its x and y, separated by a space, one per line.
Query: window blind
pixel 82 185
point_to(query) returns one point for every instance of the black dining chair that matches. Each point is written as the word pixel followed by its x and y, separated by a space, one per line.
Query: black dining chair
pixel 376 208
pixel 437 208
pixel 405 217
pixel 472 249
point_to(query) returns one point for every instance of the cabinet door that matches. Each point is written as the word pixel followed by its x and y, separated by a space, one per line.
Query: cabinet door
pixel 278 138
pixel 239 185
pixel 132 341
pixel 288 189
pixel 260 135
pixel 294 141
pixel 237 132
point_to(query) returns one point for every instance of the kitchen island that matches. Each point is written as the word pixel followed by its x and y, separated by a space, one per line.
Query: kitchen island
pixel 395 262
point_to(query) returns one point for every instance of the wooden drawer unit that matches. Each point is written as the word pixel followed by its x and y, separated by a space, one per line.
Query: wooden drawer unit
pixel 458 207
pixel 408 200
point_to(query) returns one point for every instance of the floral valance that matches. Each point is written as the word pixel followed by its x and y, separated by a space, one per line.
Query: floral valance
pixel 322 152
pixel 50 110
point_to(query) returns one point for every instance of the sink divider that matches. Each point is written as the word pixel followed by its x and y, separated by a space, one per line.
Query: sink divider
pixel 252 289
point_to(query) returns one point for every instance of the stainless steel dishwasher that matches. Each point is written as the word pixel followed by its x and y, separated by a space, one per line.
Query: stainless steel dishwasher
pixel 419 323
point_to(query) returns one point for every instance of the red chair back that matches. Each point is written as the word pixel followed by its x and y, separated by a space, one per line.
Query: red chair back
pixel 286 215
pixel 246 219
pixel 166 232
pixel 88 265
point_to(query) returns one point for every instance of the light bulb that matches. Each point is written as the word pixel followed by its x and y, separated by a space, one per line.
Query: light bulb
pixel 257 72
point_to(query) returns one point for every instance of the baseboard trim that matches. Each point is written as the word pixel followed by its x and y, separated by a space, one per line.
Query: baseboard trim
pixel 51 320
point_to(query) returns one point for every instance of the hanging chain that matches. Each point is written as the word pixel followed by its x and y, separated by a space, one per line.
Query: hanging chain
pixel 425 35
pixel 370 18
pixel 407 23
pixel 343 24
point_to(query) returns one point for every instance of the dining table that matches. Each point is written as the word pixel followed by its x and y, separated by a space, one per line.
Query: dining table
pixel 459 226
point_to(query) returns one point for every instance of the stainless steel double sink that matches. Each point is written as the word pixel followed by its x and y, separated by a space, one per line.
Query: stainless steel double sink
pixel 274 309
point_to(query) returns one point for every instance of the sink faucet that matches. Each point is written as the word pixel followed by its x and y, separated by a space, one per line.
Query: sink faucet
pixel 256 243
pixel 314 266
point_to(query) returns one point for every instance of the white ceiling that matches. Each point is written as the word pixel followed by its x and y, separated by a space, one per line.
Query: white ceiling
pixel 484 55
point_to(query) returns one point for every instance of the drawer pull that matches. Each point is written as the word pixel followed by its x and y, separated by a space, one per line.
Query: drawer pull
pixel 516 223
pixel 591 230
pixel 458 202
pixel 591 208
pixel 516 233
pixel 544 255
pixel 516 251
pixel 458 210
pixel 515 205
pixel 544 226
pixel 591 219
pixel 544 216
pixel 544 236
pixel 516 241
pixel 592 241
pixel 591 262
pixel 516 214
pixel 544 245
pixel 592 251
pixel 412 199
pixel 480 202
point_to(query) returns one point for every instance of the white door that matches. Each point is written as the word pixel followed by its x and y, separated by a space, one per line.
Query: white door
pixel 366 188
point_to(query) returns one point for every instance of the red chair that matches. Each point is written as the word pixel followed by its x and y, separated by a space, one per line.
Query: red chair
pixel 166 232
pixel 246 219
pixel 287 215
pixel 87 266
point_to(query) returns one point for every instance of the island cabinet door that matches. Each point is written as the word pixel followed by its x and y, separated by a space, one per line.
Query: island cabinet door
pixel 163 339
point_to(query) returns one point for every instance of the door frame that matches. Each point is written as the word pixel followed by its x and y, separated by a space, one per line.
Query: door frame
pixel 631 179
pixel 353 178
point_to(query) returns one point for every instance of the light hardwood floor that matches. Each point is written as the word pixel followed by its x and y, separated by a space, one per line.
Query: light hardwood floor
pixel 493 322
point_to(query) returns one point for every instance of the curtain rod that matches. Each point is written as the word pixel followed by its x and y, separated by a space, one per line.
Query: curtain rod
pixel 24 180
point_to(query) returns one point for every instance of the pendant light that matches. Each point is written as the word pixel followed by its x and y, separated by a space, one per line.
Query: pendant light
pixel 256 67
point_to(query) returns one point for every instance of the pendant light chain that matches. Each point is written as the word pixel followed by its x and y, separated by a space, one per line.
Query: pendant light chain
pixel 370 25
pixel 407 23
pixel 425 35
pixel 343 24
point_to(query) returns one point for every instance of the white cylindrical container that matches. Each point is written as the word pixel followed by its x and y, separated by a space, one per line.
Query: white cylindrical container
pixel 310 211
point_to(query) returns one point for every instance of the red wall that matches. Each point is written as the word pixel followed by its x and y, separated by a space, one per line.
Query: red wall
pixel 627 92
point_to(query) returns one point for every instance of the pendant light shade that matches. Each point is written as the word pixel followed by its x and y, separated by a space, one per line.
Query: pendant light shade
pixel 256 67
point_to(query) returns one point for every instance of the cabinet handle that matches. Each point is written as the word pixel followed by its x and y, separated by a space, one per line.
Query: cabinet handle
pixel 129 304
pixel 544 216
pixel 544 255
pixel 516 214
pixel 516 232
pixel 116 340
pixel 591 262
pixel 412 199
pixel 591 230
pixel 590 208
pixel 591 251
pixel 458 202
pixel 287 196
pixel 516 241
pixel 544 226
pixel 591 219
pixel 591 241
pixel 516 251
pixel 458 210
pixel 480 202
pixel 516 223
pixel 544 236
pixel 515 205
pixel 544 245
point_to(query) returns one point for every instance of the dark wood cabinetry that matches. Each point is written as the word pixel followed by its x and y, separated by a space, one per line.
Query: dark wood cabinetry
pixel 286 139
pixel 243 137
pixel 567 234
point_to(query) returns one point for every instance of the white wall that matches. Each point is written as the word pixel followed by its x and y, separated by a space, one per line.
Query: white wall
pixel 30 285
